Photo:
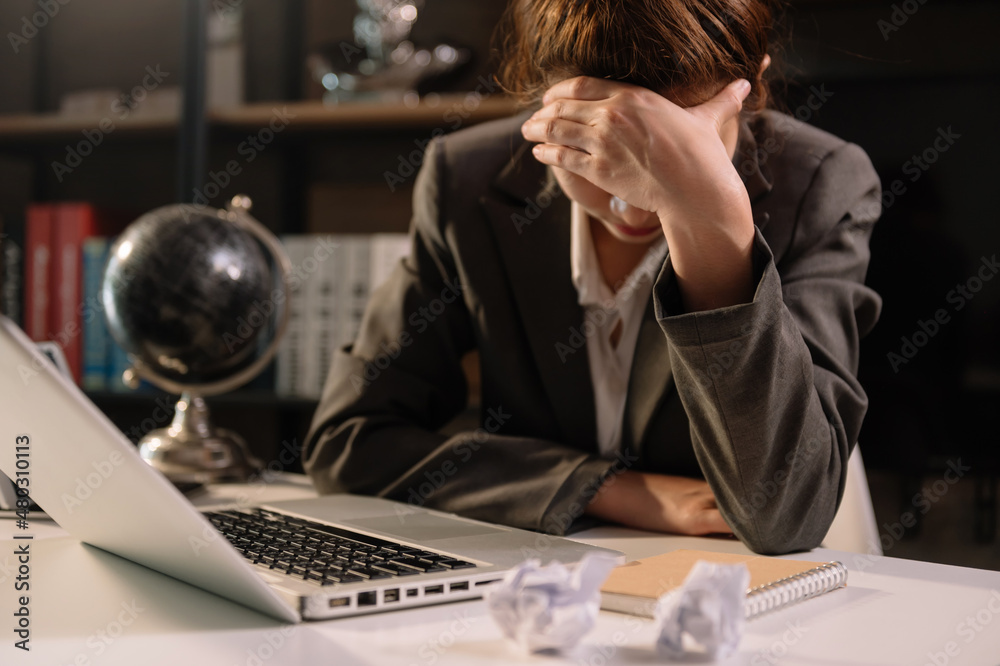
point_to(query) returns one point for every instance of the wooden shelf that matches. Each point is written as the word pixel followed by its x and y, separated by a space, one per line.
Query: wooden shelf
pixel 40 127
pixel 246 397
pixel 445 111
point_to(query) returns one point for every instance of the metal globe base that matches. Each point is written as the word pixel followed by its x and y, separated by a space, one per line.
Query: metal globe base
pixel 192 450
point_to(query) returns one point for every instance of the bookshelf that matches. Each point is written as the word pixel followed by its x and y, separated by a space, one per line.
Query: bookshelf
pixel 317 129
pixel 135 166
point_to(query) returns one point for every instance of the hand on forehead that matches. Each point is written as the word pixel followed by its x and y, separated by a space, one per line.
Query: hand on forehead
pixel 563 100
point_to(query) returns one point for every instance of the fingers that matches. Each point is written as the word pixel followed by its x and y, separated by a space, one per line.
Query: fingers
pixel 558 131
pixel 711 521
pixel 562 134
pixel 561 156
pixel 704 516
pixel 726 104
pixel 567 109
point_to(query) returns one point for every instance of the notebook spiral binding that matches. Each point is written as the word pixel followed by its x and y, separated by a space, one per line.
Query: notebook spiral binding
pixel 808 584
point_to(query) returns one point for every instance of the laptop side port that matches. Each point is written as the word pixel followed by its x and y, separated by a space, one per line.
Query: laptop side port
pixel 412 592
pixel 340 601
pixel 390 595
pixel 455 587
pixel 367 598
pixel 434 589
pixel 486 582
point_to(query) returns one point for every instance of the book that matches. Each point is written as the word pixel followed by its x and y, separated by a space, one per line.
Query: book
pixel 37 260
pixel 324 292
pixel 774 583
pixel 334 276
pixel 12 246
pixel 289 360
pixel 72 223
pixel 17 182
pixel 356 289
pixel 388 251
pixel 96 338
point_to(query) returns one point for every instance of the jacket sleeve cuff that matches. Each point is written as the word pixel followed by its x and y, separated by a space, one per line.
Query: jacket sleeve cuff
pixel 570 502
pixel 686 329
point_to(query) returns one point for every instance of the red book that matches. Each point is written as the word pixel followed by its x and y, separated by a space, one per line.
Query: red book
pixel 73 223
pixel 37 270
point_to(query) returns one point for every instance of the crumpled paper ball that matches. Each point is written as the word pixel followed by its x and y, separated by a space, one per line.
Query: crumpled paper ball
pixel 708 609
pixel 549 608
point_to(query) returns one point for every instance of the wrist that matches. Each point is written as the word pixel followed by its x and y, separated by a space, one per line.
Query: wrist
pixel 609 501
pixel 713 266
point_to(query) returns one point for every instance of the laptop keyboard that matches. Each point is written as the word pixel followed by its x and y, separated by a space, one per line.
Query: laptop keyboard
pixel 323 554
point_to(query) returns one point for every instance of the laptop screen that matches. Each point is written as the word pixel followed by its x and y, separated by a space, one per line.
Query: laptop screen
pixel 90 479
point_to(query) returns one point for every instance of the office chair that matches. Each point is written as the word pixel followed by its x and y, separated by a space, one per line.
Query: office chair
pixel 854 528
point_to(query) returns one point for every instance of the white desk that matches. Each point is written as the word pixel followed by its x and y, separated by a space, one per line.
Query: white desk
pixel 92 608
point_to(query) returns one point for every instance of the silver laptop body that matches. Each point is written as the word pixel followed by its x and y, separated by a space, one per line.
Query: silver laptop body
pixel 88 477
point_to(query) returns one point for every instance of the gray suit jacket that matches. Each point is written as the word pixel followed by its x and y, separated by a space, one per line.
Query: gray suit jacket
pixel 760 399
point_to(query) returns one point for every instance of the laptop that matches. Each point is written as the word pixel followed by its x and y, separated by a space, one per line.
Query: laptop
pixel 308 559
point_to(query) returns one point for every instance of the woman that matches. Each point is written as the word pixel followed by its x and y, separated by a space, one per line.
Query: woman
pixel 705 389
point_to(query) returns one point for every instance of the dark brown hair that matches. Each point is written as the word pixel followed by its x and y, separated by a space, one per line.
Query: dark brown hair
pixel 686 49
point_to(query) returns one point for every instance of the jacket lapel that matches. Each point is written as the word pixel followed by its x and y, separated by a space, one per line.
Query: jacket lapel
pixel 756 177
pixel 649 380
pixel 529 217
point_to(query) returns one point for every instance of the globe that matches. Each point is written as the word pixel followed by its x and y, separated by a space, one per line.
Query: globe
pixel 197 298
pixel 180 289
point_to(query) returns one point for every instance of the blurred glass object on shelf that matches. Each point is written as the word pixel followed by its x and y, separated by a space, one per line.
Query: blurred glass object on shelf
pixel 383 64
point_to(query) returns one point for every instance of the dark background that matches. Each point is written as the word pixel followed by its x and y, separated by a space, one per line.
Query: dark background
pixel 893 87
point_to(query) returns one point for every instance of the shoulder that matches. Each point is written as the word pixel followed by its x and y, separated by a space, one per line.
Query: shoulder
pixel 482 149
pixel 490 159
pixel 458 169
pixel 791 151
pixel 800 138
pixel 469 158
pixel 815 181
pixel 798 154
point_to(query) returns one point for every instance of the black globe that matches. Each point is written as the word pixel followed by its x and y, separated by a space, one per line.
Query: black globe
pixel 186 292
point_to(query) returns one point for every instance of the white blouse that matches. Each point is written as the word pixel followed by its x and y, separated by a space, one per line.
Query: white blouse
pixel 603 310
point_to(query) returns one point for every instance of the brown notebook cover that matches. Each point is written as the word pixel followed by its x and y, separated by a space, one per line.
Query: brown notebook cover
pixel 635 587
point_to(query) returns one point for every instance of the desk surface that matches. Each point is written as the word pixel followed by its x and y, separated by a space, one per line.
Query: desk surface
pixel 92 608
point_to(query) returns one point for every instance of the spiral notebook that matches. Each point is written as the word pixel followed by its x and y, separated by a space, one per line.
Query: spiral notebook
pixel 774 583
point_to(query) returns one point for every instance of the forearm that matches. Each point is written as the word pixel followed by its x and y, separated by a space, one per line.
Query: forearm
pixel 772 420
pixel 625 499
pixel 478 474
pixel 773 459
pixel 712 259
pixel 658 503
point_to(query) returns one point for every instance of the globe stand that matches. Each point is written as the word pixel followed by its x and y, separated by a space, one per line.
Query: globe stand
pixel 192 450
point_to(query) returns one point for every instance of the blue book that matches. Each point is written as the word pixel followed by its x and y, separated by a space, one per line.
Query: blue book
pixel 96 339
